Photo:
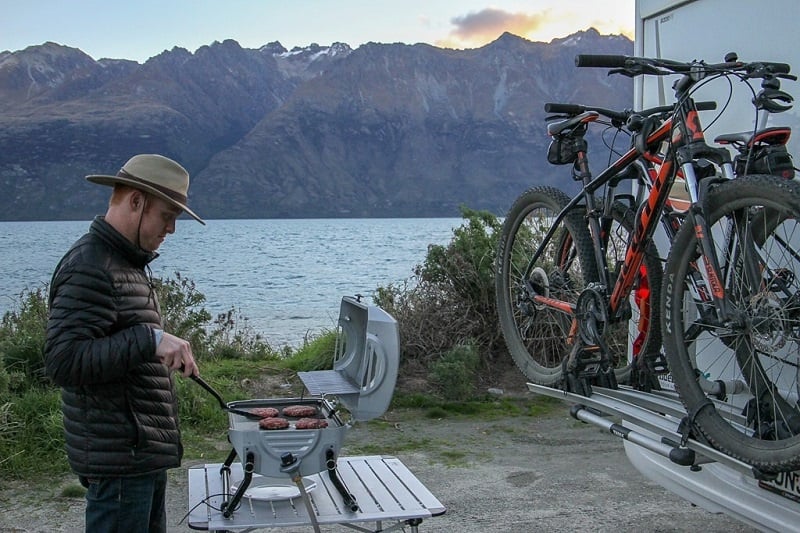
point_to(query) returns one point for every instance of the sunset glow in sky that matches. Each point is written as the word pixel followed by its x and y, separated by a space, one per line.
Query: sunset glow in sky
pixel 141 29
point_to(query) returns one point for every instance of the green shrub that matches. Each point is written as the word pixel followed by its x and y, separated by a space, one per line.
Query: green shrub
pixel 466 264
pixel 31 433
pixel 454 372
pixel 22 333
pixel 314 355
pixel 228 336
pixel 451 296
pixel 232 337
pixel 182 311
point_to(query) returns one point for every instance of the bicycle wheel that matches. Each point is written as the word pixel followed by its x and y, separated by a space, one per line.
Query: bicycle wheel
pixel 750 364
pixel 640 335
pixel 539 337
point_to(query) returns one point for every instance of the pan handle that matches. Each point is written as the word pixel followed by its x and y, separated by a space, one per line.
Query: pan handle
pixel 200 381
pixel 247 414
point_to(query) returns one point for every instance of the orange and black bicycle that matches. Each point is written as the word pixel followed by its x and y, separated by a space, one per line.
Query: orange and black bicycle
pixel 580 283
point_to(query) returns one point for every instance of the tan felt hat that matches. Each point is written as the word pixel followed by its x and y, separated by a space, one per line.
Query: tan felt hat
pixel 154 174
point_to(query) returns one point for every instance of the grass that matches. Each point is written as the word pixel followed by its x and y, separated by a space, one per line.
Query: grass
pixel 73 490
pixel 481 408
pixel 454 434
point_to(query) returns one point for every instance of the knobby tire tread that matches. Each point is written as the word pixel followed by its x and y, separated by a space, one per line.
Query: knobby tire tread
pixel 553 200
pixel 756 190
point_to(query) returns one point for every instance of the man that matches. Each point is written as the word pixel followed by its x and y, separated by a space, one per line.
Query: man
pixel 106 349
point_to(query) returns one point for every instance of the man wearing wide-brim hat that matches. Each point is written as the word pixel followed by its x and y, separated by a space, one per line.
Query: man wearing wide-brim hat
pixel 106 347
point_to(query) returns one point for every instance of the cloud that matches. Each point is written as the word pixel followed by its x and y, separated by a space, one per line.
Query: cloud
pixel 492 22
pixel 488 24
pixel 481 27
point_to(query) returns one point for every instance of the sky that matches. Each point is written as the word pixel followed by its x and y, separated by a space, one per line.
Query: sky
pixel 140 29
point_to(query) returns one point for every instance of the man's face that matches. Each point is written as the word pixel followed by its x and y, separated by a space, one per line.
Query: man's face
pixel 158 220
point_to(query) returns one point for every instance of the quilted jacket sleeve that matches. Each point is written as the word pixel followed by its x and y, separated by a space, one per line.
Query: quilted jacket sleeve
pixel 85 343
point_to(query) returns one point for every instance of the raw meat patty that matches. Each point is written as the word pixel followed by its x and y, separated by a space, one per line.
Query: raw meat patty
pixel 311 423
pixel 299 411
pixel 273 423
pixel 265 412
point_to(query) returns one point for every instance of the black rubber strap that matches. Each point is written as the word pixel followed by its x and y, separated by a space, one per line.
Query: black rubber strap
pixel 687 424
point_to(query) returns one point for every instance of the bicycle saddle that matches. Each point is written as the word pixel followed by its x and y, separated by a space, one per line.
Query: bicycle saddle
pixel 556 128
pixel 775 135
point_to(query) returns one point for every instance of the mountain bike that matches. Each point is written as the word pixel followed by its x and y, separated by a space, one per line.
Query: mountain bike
pixel 541 336
pixel 731 305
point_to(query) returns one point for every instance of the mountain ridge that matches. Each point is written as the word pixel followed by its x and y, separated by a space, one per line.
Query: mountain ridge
pixel 380 130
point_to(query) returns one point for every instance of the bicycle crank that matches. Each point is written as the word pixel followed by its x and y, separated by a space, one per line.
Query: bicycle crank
pixel 592 315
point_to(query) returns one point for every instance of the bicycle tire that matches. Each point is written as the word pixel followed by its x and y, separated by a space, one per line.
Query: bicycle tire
pixel 537 338
pixel 757 356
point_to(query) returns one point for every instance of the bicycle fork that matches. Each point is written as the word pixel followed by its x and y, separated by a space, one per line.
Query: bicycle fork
pixel 710 274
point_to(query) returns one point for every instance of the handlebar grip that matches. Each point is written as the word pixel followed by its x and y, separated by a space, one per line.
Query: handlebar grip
pixel 600 60
pixel 569 109
pixel 780 68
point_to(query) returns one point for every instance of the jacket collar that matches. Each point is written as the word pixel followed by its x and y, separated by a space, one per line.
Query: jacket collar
pixel 118 241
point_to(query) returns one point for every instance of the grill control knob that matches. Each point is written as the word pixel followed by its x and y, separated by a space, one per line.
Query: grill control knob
pixel 287 459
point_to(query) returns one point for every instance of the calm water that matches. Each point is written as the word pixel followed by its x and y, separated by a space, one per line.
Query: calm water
pixel 286 276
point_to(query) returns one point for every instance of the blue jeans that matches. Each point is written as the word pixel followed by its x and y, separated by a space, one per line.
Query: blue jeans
pixel 126 504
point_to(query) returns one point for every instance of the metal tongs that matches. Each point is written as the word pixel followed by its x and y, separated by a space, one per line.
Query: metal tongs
pixel 225 407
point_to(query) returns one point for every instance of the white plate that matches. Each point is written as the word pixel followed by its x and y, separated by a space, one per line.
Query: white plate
pixel 272 489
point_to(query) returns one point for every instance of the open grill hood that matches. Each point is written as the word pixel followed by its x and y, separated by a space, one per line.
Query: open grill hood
pixel 362 381
pixel 367 357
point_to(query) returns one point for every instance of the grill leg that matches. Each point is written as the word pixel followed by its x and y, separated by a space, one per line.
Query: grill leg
pixel 349 500
pixel 229 507
pixel 414 523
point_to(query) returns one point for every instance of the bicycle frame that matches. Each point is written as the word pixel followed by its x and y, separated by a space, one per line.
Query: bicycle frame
pixel 685 145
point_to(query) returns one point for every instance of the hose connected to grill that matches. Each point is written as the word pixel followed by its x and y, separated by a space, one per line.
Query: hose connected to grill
pixel 291 465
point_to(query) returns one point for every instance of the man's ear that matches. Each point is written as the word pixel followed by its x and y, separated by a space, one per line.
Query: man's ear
pixel 136 200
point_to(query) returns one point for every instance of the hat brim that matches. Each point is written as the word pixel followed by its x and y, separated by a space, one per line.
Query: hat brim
pixel 113 180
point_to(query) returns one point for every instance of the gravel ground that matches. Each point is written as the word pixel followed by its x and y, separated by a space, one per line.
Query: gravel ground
pixel 515 474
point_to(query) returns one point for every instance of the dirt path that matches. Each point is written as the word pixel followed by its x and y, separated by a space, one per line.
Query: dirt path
pixel 515 474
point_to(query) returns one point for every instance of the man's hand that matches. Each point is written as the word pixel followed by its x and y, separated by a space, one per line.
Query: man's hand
pixel 176 353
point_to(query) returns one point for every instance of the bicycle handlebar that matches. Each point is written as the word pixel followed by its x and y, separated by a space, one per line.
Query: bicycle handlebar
pixel 632 65
pixel 577 109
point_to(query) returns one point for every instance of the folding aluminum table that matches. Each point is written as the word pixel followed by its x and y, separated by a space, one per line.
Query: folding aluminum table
pixel 384 489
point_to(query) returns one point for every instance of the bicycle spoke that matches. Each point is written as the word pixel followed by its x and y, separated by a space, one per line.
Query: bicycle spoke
pixel 540 335
pixel 751 361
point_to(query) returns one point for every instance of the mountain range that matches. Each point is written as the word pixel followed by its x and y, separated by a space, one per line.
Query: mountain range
pixel 383 130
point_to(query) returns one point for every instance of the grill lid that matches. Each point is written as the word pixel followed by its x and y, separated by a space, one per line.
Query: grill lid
pixel 366 361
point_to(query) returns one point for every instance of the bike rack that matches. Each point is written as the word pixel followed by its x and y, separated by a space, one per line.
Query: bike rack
pixel 649 426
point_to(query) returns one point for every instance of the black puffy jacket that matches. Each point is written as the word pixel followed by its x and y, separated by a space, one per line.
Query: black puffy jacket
pixel 118 400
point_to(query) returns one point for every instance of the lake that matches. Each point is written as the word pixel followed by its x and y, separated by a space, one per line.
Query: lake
pixel 286 277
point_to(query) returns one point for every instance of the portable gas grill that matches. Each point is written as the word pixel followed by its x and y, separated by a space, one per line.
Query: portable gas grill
pixel 361 383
